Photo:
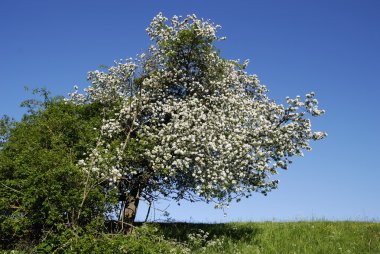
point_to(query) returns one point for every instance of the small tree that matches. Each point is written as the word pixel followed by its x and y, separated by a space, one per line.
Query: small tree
pixel 182 122
pixel 40 184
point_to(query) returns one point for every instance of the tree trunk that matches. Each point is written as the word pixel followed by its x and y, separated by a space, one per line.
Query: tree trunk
pixel 132 201
pixel 130 209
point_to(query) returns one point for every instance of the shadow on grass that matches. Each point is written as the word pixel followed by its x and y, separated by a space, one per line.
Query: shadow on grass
pixel 181 230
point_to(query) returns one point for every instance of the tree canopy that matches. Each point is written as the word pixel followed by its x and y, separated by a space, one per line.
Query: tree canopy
pixel 183 122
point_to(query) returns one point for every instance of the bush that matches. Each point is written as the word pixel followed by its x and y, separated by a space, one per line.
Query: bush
pixel 145 239
pixel 41 188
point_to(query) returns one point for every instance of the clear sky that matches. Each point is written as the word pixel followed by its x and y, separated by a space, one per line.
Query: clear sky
pixel 330 47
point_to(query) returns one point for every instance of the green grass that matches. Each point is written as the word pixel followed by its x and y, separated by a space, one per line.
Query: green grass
pixel 277 237
pixel 305 237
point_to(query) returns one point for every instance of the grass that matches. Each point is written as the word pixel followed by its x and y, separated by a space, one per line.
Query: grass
pixel 277 237
pixel 238 238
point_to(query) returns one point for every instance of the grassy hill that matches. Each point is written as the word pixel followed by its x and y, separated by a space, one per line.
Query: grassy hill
pixel 238 238
pixel 278 237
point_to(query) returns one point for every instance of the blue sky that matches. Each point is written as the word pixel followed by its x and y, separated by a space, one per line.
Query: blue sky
pixel 330 47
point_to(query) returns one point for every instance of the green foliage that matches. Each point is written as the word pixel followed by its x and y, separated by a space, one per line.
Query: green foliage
pixel 145 239
pixel 40 185
pixel 6 124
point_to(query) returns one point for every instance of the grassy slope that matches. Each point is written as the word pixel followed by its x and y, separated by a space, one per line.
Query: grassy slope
pixel 262 237
pixel 278 237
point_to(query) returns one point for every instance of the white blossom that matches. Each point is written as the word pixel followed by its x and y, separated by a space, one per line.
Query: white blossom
pixel 204 126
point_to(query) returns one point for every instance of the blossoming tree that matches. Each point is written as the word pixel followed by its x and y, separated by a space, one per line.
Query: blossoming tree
pixel 182 122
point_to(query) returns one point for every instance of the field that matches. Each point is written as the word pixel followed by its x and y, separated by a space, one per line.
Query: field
pixel 235 238
pixel 278 237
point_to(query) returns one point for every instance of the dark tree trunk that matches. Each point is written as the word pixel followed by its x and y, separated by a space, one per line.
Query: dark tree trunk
pixel 130 209
pixel 132 200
